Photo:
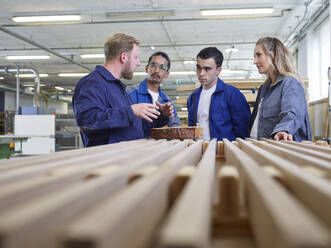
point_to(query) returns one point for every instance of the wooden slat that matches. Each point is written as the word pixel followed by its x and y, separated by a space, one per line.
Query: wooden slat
pixel 189 222
pixel 250 97
pixel 188 87
pixel 322 143
pixel 315 192
pixel 56 179
pixel 21 226
pixel 294 156
pixel 177 132
pixel 229 205
pixel 309 146
pixel 233 242
pixel 178 183
pixel 277 218
pixel 11 164
pixel 301 150
pixel 117 223
pixel 82 160
pixel 182 100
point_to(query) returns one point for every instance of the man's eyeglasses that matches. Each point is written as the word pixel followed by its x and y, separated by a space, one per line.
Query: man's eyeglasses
pixel 155 65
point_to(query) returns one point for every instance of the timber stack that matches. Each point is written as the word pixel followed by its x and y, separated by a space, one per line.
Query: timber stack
pixel 159 193
pixel 192 132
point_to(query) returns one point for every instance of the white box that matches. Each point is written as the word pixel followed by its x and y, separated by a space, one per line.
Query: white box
pixel 41 132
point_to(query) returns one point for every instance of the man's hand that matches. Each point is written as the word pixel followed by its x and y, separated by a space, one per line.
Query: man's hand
pixel 283 136
pixel 167 109
pixel 145 111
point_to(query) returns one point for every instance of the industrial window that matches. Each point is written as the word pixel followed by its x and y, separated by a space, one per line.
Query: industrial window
pixel 319 49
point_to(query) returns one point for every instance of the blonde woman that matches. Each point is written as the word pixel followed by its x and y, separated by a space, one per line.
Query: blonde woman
pixel 280 111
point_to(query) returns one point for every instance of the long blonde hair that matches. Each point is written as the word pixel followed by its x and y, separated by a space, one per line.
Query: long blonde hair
pixel 280 56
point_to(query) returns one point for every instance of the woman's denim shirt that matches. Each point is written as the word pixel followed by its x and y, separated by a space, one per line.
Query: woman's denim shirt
pixel 283 108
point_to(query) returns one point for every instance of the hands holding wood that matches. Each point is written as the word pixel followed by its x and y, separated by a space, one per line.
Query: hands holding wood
pixel 167 109
pixel 146 111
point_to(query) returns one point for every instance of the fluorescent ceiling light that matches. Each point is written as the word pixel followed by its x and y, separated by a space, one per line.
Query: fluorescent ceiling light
pixel 184 109
pixel 59 88
pixel 237 12
pixel 153 48
pixel 32 84
pixel 92 56
pixel 77 74
pixel 22 57
pixel 189 62
pixel 226 71
pixel 182 73
pixel 48 18
pixel 148 13
pixel 234 50
pixel 2 78
pixel 171 73
pixel 140 73
pixel 42 75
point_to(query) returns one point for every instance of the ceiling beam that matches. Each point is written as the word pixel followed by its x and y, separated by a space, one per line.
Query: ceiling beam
pixel 21 37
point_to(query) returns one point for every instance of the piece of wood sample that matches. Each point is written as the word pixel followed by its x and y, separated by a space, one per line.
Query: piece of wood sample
pixel 177 133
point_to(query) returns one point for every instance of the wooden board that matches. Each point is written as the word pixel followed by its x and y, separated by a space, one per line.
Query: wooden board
pixel 117 223
pixel 21 225
pixel 177 132
pixel 277 218
pixel 190 220
pixel 313 191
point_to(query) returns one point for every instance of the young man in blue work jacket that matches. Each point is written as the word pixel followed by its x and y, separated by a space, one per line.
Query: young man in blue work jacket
pixel 149 90
pixel 219 108
pixel 103 110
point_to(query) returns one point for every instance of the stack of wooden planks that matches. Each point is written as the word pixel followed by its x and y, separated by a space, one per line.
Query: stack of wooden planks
pixel 159 193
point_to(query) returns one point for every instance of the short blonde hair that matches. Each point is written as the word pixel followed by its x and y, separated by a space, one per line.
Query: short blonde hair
pixel 117 44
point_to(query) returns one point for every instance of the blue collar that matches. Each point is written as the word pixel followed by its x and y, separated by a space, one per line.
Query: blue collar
pixel 108 76
pixel 219 86
pixel 105 73
pixel 143 89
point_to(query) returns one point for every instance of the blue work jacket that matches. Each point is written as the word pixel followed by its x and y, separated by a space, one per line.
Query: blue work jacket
pixel 283 108
pixel 102 110
pixel 229 112
pixel 139 94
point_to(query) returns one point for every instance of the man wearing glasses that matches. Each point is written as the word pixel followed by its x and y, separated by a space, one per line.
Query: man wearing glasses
pixel 149 91
pixel 219 108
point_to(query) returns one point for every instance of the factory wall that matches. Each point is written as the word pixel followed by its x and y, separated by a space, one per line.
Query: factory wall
pixel 26 100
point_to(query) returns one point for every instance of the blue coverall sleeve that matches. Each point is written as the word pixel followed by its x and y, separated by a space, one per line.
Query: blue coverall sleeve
pixel 190 113
pixel 240 114
pixel 95 112
pixel 174 121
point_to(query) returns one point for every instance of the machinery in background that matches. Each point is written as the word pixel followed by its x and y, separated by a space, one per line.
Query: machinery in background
pixel 67 134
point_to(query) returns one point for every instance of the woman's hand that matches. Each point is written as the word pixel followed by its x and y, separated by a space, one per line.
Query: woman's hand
pixel 283 136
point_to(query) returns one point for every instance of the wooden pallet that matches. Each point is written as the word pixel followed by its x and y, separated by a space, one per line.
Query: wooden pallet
pixel 159 193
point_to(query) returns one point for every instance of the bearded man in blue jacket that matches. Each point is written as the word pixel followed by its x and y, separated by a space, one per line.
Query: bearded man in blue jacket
pixel 221 109
pixel 149 90
pixel 103 110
